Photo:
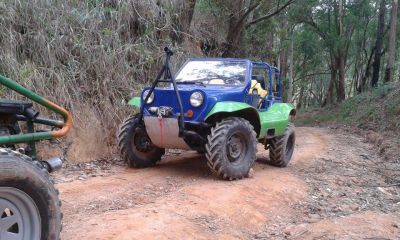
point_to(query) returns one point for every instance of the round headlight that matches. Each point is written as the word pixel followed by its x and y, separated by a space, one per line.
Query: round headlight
pixel 151 98
pixel 196 99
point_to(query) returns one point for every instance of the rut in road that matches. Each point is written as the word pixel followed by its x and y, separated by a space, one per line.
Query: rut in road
pixel 180 199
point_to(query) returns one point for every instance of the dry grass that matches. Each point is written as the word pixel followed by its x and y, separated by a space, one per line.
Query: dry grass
pixel 89 56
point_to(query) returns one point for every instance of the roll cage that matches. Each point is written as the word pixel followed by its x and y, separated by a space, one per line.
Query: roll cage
pixel 272 72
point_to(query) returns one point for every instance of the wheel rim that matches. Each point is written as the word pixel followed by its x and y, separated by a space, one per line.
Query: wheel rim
pixel 289 146
pixel 19 215
pixel 235 148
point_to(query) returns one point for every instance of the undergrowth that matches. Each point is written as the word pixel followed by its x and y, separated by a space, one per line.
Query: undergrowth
pixel 377 110
pixel 88 56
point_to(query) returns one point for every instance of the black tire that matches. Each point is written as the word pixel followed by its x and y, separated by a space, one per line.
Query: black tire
pixel 26 187
pixel 281 148
pixel 223 155
pixel 130 132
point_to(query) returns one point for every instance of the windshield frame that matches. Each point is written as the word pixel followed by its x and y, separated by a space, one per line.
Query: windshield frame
pixel 245 61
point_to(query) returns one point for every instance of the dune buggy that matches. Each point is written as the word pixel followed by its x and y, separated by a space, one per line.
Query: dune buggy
pixel 218 106
pixel 29 202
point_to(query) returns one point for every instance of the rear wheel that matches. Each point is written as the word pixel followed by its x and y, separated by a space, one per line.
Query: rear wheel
pixel 29 204
pixel 135 145
pixel 281 148
pixel 232 148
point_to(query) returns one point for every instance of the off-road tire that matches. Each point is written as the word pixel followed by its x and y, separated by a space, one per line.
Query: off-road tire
pixel 217 147
pixel 281 148
pixel 20 174
pixel 129 153
pixel 200 152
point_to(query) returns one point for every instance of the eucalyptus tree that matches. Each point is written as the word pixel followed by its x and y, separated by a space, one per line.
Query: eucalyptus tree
pixel 379 44
pixel 335 21
pixel 392 42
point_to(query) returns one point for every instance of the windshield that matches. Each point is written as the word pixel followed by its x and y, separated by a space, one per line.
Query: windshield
pixel 225 72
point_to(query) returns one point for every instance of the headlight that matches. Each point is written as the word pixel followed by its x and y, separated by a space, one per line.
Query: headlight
pixel 151 98
pixel 196 99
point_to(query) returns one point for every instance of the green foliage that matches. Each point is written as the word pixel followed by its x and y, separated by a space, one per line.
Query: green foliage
pixel 210 7
pixel 378 109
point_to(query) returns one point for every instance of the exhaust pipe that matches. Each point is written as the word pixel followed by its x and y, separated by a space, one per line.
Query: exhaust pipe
pixel 53 164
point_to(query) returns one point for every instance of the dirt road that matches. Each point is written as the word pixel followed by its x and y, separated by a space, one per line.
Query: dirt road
pixel 331 190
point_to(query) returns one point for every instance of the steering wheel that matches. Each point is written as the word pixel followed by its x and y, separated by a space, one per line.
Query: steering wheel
pixel 232 81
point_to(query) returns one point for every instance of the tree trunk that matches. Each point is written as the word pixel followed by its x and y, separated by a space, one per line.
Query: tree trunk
pixel 237 20
pixel 329 95
pixel 341 93
pixel 301 96
pixel 341 58
pixel 378 46
pixel 291 66
pixel 367 73
pixel 182 18
pixel 392 42
pixel 362 76
pixel 357 73
pixel 283 62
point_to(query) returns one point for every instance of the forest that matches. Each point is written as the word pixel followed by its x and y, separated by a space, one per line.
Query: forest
pixel 327 50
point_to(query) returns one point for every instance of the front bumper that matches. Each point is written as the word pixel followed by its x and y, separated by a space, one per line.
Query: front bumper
pixel 164 132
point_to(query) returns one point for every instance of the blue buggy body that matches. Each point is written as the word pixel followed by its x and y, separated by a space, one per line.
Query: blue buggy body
pixel 218 106
pixel 214 93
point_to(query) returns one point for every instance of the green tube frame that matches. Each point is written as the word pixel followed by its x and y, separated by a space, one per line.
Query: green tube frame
pixel 37 136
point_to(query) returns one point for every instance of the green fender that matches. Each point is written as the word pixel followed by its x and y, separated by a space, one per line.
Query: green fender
pixel 135 102
pixel 276 117
pixel 227 109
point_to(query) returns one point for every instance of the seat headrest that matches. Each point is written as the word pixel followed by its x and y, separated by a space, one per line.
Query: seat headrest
pixel 259 78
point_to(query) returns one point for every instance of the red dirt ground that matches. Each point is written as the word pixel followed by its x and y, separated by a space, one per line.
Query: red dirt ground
pixel 325 193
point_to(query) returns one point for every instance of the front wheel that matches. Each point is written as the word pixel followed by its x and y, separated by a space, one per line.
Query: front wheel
pixel 135 145
pixel 281 148
pixel 231 148
pixel 29 204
